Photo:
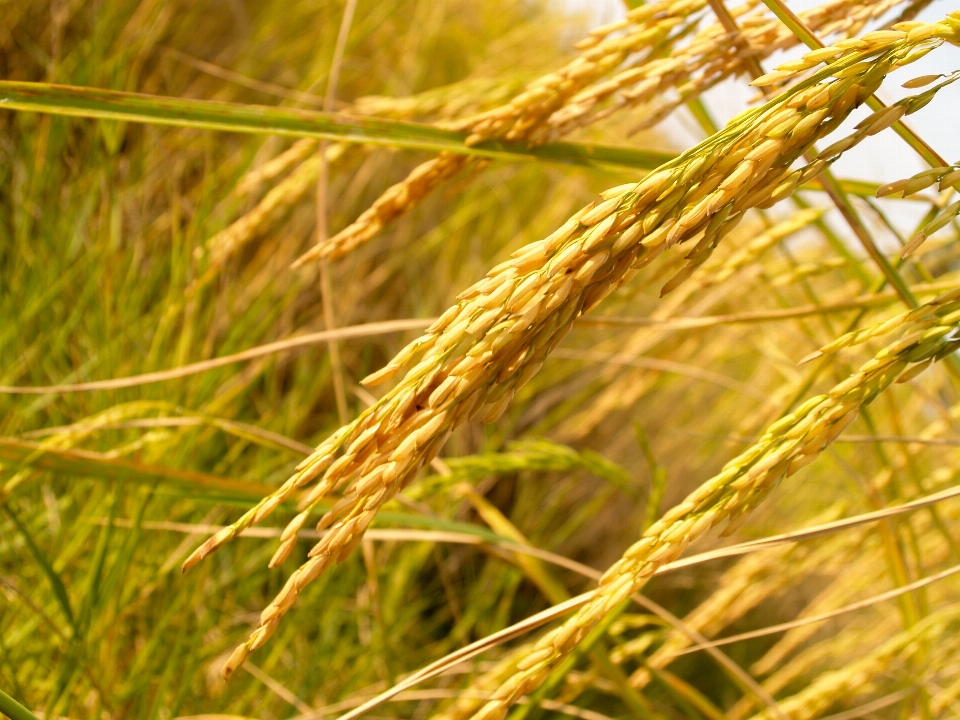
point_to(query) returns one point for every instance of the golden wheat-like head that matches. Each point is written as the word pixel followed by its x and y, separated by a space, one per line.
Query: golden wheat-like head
pixel 476 356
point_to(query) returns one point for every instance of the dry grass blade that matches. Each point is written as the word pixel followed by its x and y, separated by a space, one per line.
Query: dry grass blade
pixel 277 688
pixel 343 333
pixel 817 531
pixel 667 366
pixel 264 87
pixel 758 316
pixel 868 602
pixel 439 536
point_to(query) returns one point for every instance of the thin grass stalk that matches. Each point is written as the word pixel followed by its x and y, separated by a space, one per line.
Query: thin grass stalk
pixel 326 286
pixel 853 607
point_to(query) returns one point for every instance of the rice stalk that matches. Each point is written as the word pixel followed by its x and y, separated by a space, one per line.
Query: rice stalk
pixel 104 226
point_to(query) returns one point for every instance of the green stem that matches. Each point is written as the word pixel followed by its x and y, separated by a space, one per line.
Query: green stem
pixel 14 710
pixel 840 199
pixel 210 115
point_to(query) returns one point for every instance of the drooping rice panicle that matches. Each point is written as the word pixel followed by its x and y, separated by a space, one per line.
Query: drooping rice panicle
pixel 482 350
pixel 440 104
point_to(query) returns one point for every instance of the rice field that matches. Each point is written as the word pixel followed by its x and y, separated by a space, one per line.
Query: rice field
pixel 462 360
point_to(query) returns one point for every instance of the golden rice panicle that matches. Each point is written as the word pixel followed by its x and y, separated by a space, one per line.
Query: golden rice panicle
pixel 748 583
pixel 474 359
pixel 804 270
pixel 867 570
pixel 710 56
pixel 287 193
pixel 866 566
pixel 515 120
pixel 645 28
pixel 297 153
pixel 755 171
pixel 441 103
pixel 932 315
pixel 809 661
pixel 485 348
pixel 397 200
pixel 788 445
pixel 850 56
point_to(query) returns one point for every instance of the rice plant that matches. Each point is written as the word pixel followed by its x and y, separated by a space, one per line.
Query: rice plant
pixel 405 360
